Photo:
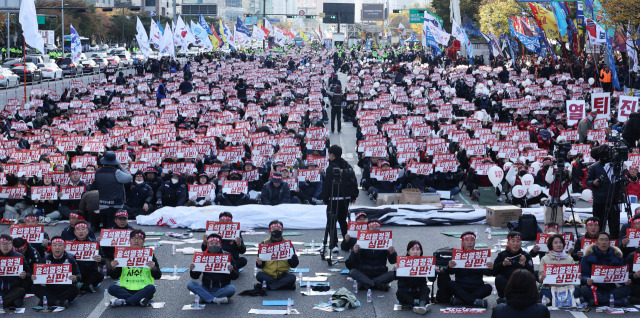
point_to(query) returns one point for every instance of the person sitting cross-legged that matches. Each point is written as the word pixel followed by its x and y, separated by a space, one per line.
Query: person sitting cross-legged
pixel 369 267
pixel 216 287
pixel 136 286
pixel 276 273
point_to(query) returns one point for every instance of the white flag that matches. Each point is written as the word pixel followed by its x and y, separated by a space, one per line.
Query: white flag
pixel 167 42
pixel 177 41
pixel 280 38
pixel 268 26
pixel 258 33
pixel 29 22
pixel 439 34
pixel 155 36
pixel 202 39
pixel 241 38
pixel 231 39
pixel 182 31
pixel 143 39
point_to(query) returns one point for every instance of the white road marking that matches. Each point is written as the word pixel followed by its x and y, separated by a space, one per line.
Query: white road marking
pixel 578 314
pixel 97 312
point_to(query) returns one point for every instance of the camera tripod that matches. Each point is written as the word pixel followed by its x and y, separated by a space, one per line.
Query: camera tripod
pixel 331 230
pixel 617 194
pixel 555 192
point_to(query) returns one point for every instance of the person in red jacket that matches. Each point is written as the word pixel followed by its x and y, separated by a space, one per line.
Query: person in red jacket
pixel 544 139
pixel 633 188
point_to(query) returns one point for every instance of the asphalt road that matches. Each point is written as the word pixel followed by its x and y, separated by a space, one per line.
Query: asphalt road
pixel 175 294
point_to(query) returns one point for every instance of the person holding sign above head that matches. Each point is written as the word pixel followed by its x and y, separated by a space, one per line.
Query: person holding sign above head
pixel 216 286
pixel 556 255
pixel 522 298
pixel 597 293
pixel 412 290
pixel 136 286
pixel 57 293
pixel 468 288
pixel 626 245
pixel 510 260
pixel 12 281
pixel 235 246
pixel 89 264
pixel 592 226
pixel 369 266
pixel 276 272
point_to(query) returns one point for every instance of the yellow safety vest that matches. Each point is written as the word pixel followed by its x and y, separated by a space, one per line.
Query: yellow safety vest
pixel 136 278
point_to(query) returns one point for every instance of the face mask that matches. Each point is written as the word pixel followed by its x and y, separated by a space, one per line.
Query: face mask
pixel 47 136
pixel 174 181
pixel 276 234
pixel 139 182
pixel 215 249
pixel 12 135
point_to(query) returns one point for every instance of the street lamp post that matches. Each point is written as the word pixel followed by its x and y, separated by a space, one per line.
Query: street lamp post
pixel 62 6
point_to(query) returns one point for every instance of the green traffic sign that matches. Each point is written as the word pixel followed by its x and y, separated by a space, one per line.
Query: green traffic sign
pixel 41 19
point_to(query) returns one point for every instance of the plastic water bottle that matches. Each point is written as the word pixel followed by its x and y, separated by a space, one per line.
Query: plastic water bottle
pixel 308 286
pixel 196 301
pixel 612 301
pixel 300 277
pixel 369 295
pixel 289 306
pixel 264 284
pixel 175 270
pixel 44 302
pixel 173 249
pixel 313 244
pixel 545 300
pixel 489 233
pixel 355 286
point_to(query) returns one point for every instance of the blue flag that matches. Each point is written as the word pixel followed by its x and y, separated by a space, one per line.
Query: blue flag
pixel 76 47
pixel 561 18
pixel 470 27
pixel 204 25
pixel 612 64
pixel 429 40
pixel 160 27
pixel 532 44
pixel 240 27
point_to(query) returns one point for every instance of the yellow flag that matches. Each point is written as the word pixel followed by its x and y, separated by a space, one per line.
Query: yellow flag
pixel 304 36
pixel 547 20
pixel 224 38
pixel 215 40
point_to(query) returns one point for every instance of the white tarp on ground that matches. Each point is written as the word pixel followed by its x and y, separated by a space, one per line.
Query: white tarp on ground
pixel 308 217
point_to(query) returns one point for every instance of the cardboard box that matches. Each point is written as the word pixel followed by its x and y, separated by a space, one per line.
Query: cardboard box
pixel 500 215
pixel 559 215
pixel 388 199
pixel 428 198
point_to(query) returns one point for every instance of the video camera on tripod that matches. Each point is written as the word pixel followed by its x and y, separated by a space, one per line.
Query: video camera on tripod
pixel 561 154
